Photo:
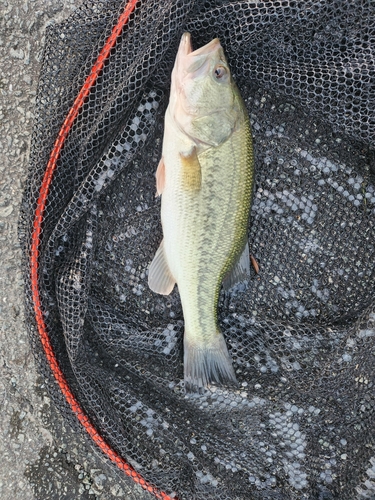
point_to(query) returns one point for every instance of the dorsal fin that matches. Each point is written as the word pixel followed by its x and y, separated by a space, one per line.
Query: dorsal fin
pixel 240 270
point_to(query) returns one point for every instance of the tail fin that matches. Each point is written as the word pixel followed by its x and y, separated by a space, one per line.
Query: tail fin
pixel 207 363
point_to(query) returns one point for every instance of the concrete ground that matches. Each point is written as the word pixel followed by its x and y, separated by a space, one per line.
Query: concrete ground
pixel 41 456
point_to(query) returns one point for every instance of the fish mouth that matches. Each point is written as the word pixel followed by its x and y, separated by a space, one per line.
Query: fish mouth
pixel 212 46
pixel 186 46
pixel 196 62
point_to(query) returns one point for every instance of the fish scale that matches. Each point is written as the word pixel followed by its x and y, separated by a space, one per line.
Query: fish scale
pixel 206 179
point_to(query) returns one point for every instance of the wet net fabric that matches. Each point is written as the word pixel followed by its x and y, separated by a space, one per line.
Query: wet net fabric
pixel 301 332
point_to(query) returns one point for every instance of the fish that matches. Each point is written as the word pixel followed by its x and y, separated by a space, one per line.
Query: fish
pixel 205 179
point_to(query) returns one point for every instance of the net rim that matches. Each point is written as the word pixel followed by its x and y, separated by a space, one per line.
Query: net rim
pixel 44 337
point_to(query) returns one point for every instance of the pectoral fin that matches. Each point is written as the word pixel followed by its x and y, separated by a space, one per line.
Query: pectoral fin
pixel 240 271
pixel 160 279
pixel 160 177
pixel 191 170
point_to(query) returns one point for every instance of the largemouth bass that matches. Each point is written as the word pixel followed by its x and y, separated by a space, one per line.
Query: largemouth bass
pixel 205 177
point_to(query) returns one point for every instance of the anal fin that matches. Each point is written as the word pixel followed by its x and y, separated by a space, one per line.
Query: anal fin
pixel 160 279
pixel 240 271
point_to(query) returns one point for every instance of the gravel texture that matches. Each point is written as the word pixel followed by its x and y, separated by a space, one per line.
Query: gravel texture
pixel 42 457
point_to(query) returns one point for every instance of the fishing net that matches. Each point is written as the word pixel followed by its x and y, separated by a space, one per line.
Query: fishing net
pixel 301 332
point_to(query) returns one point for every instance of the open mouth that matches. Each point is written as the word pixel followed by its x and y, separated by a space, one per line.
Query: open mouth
pixel 186 46
pixel 197 58
pixel 206 49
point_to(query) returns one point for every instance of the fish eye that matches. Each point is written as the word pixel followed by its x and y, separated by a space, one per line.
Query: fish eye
pixel 220 71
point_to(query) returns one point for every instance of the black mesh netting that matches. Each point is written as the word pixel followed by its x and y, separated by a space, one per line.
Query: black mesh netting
pixel 301 333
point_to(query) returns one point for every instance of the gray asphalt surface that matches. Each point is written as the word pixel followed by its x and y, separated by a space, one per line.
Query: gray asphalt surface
pixel 41 456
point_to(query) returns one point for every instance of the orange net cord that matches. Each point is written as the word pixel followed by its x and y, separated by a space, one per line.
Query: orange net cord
pixel 34 259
